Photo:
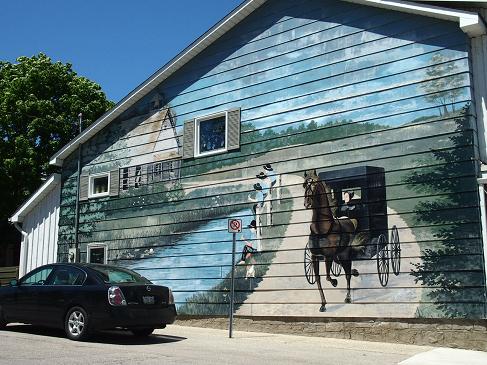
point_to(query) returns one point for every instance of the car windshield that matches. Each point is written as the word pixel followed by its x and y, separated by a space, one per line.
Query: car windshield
pixel 115 275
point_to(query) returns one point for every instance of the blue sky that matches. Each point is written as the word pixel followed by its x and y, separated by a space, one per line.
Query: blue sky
pixel 116 43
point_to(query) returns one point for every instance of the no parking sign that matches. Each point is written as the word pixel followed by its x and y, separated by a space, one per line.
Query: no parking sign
pixel 234 225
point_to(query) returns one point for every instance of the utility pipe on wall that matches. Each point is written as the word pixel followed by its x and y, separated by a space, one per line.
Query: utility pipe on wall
pixel 23 250
pixel 76 222
pixel 483 216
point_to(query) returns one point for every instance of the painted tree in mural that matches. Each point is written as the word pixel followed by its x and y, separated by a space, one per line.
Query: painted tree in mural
pixel 39 105
pixel 443 87
pixel 451 264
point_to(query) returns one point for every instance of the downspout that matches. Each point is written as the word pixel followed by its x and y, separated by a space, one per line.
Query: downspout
pixel 483 216
pixel 76 221
pixel 26 247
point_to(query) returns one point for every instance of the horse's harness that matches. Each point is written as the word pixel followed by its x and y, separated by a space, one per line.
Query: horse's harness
pixel 309 192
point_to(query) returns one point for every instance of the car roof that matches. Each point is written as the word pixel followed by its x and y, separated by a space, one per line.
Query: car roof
pixel 82 265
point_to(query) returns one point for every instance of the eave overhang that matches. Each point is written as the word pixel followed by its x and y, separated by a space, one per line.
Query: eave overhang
pixel 51 182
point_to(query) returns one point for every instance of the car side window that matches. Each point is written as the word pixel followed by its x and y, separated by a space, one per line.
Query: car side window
pixel 68 276
pixel 38 277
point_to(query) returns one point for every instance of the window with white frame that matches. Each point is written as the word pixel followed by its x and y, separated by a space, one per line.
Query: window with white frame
pixel 99 185
pixel 211 134
pixel 97 253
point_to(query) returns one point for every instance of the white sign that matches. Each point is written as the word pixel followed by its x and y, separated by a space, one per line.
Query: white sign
pixel 234 225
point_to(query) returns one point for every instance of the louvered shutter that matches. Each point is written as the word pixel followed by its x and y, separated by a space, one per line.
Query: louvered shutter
pixel 233 124
pixel 188 139
pixel 84 183
pixel 114 182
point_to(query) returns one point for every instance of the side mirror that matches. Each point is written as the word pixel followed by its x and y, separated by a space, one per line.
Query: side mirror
pixel 14 282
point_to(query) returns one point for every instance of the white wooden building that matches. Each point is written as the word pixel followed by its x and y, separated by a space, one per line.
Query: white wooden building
pixel 38 219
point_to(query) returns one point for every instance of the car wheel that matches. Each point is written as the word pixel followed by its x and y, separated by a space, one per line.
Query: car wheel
pixel 143 332
pixel 76 324
pixel 3 322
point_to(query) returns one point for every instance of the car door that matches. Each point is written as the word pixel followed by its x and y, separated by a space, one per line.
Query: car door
pixel 25 306
pixel 64 286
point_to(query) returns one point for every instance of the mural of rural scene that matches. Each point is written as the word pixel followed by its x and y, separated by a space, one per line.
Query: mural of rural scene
pixel 355 176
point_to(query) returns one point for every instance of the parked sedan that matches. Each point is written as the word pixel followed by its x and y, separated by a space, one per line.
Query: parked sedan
pixel 82 298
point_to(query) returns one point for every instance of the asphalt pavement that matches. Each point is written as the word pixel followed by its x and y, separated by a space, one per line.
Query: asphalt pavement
pixel 22 344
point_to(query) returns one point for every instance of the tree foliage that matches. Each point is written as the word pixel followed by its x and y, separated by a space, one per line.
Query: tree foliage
pixel 39 105
pixel 450 268
pixel 443 85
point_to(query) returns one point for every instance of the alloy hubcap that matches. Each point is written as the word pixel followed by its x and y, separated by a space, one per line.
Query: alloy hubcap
pixel 76 323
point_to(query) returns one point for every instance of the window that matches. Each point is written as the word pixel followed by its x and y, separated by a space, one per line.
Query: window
pixel 38 277
pixel 138 176
pixel 116 275
pixel 97 254
pixel 157 171
pixel 68 276
pixel 216 133
pixel 147 174
pixel 211 134
pixel 99 185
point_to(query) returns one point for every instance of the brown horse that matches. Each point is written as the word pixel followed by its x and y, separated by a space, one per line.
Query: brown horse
pixel 330 237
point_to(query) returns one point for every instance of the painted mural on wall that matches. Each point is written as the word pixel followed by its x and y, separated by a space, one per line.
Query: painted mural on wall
pixel 355 178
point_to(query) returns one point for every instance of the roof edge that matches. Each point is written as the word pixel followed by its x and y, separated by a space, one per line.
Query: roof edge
pixel 469 22
pixel 220 28
pixel 51 182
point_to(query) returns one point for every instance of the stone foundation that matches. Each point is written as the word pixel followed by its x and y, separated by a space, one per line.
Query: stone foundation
pixel 465 334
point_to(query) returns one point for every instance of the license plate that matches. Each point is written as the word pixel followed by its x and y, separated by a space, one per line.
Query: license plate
pixel 148 300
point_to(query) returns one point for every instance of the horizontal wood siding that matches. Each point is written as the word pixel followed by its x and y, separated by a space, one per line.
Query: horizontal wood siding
pixel 325 86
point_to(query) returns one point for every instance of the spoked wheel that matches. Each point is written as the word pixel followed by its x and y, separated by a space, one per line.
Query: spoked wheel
pixel 395 251
pixel 76 324
pixel 336 268
pixel 383 260
pixel 308 266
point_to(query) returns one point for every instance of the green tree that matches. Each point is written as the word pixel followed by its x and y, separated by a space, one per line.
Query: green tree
pixel 39 105
pixel 449 269
pixel 444 83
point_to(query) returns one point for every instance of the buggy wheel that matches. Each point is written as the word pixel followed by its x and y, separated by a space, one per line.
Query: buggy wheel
pixel 395 251
pixel 382 260
pixel 336 268
pixel 308 265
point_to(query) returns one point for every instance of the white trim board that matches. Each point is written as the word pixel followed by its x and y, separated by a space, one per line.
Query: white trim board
pixel 51 182
pixel 469 22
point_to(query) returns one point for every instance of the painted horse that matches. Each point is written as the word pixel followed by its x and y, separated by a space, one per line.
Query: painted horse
pixel 330 238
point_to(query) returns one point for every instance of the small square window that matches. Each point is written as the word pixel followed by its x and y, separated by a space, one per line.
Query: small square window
pixel 99 185
pixel 211 134
pixel 97 253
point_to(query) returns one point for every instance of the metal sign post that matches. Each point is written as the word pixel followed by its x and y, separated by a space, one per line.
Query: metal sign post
pixel 234 227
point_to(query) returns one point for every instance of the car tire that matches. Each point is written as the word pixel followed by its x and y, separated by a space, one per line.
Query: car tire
pixel 77 324
pixel 142 332
pixel 3 322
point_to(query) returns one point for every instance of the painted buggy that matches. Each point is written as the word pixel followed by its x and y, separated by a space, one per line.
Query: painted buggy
pixel 360 193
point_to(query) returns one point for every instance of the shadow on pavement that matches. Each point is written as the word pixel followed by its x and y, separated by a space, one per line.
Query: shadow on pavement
pixel 114 337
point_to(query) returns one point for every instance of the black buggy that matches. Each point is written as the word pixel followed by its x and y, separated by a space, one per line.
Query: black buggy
pixel 365 188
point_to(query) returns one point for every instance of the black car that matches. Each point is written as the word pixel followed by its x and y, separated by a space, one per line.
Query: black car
pixel 82 298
